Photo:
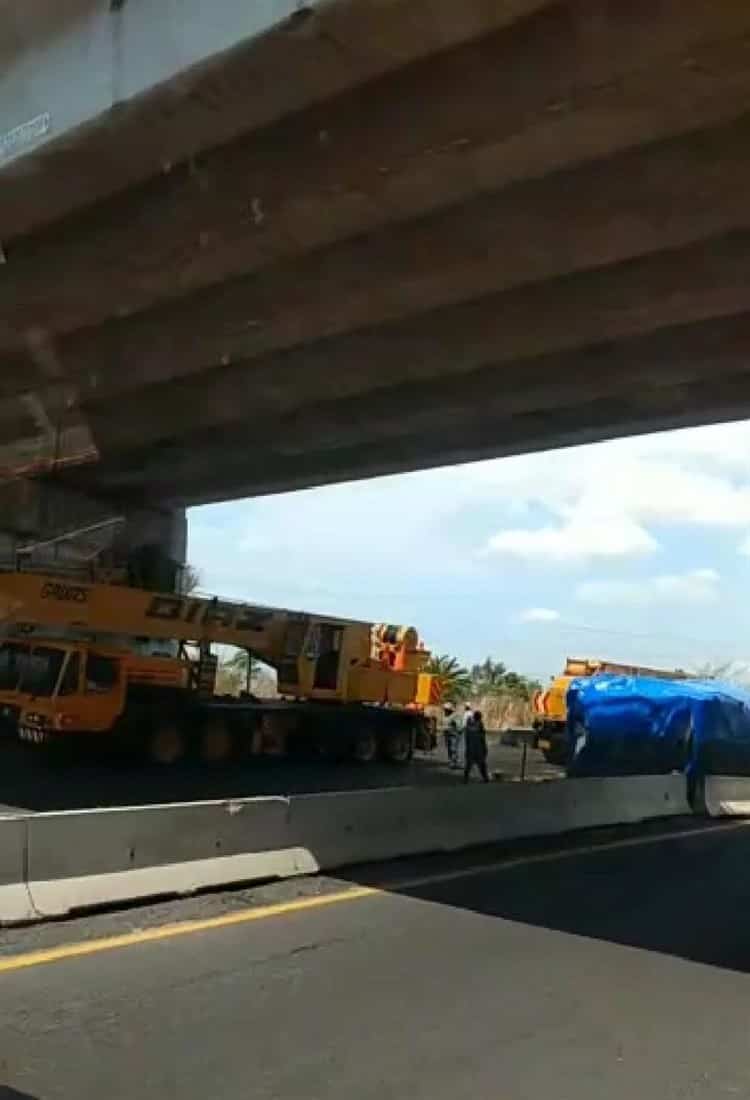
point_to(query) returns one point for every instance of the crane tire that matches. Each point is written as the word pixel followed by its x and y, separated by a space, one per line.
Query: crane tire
pixel 364 747
pixel 397 746
pixel 215 743
pixel 166 744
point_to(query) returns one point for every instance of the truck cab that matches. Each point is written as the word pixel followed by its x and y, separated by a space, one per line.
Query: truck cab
pixel 49 687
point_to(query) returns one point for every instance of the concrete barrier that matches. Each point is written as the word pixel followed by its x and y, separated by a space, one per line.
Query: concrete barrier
pixel 359 826
pixel 91 857
pixel 52 864
pixel 727 795
pixel 15 902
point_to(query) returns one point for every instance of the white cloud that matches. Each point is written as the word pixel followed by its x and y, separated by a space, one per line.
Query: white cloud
pixel 539 615
pixel 696 586
pixel 580 540
pixel 610 500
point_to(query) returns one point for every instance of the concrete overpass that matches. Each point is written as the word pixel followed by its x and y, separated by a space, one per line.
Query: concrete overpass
pixel 251 247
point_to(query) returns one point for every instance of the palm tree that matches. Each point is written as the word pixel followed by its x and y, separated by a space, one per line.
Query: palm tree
pixel 454 679
pixel 495 678
pixel 489 678
pixel 517 686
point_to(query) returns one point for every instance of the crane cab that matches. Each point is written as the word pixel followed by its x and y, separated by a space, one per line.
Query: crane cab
pixel 52 686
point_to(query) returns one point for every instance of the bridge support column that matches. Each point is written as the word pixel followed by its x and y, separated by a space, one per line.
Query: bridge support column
pixel 46 526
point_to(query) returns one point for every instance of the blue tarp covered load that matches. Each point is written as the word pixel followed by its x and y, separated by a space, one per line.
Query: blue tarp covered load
pixel 628 725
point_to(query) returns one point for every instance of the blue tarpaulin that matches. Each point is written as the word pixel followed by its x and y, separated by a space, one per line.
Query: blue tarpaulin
pixel 635 725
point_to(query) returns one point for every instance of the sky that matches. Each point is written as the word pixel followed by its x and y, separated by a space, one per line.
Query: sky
pixel 635 550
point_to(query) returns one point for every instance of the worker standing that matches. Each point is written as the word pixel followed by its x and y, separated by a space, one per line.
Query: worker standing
pixel 461 738
pixel 451 736
pixel 475 746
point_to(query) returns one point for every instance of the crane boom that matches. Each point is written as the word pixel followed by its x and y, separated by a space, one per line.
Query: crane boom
pixel 372 658
pixel 28 599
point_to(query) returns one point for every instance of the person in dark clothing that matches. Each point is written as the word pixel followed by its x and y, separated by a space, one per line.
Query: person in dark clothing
pixel 475 748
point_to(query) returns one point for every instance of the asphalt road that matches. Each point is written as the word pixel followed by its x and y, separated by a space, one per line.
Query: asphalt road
pixel 618 971
pixel 31 779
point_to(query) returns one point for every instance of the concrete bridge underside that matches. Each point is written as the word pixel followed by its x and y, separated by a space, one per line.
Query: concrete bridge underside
pixel 365 236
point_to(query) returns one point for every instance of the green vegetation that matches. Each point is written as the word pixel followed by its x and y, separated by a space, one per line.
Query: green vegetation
pixel 454 679
pixel 494 678
pixel 490 678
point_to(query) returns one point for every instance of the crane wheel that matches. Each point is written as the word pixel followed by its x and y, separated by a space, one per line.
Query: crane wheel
pixel 166 744
pixel 215 743
pixel 365 747
pixel 398 747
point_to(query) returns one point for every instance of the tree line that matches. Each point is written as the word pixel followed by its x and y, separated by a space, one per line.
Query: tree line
pixel 491 677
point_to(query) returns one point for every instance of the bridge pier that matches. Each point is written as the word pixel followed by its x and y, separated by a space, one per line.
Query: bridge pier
pixel 43 525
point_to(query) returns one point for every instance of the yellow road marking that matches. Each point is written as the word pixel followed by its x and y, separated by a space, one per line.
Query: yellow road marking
pixel 182 928
pixel 355 893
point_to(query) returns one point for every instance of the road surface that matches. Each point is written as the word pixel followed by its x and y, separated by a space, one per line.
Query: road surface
pixel 618 971
pixel 33 780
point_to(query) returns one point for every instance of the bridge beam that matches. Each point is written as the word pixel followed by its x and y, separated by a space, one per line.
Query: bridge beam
pixel 478 224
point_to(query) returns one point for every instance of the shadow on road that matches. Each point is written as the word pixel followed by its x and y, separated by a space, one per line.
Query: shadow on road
pixel 40 781
pixel 688 897
pixel 30 780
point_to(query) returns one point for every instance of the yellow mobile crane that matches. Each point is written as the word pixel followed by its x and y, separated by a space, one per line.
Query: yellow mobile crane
pixel 134 667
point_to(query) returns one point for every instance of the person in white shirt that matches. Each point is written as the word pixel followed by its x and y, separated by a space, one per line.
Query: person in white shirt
pixel 461 738
pixel 451 735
